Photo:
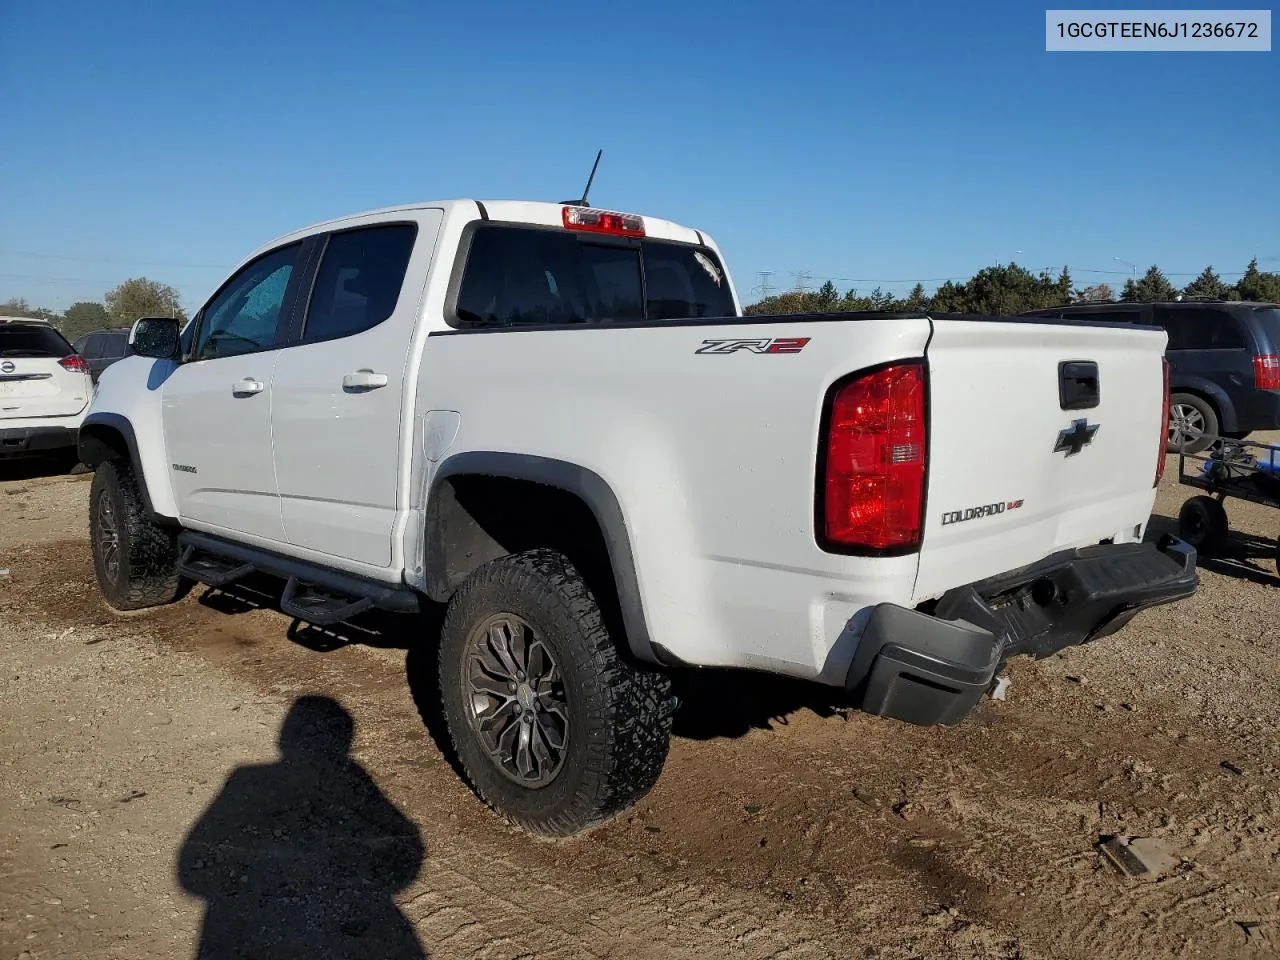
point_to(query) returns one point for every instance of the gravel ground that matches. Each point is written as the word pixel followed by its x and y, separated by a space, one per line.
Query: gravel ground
pixel 154 803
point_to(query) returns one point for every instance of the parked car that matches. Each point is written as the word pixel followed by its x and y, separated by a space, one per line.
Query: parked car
pixel 44 389
pixel 555 420
pixel 1224 362
pixel 102 348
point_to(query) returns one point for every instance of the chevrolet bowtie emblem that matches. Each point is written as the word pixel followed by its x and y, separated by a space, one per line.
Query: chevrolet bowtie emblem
pixel 1073 439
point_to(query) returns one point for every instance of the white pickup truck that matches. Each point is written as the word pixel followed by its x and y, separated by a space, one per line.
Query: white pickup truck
pixel 555 420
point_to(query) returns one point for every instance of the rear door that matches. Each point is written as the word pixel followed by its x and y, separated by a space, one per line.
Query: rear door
pixel 1015 474
pixel 36 378
pixel 339 389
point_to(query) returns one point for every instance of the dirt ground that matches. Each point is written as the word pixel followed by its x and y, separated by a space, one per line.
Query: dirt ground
pixel 141 785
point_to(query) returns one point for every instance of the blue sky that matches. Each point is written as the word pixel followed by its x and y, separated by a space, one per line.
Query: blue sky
pixel 917 141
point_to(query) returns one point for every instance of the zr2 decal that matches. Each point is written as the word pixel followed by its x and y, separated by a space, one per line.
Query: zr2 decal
pixel 777 345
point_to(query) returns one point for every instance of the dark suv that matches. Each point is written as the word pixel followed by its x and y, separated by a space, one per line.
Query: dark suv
pixel 102 348
pixel 1224 363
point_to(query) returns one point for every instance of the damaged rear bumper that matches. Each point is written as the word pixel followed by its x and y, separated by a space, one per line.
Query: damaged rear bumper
pixel 932 667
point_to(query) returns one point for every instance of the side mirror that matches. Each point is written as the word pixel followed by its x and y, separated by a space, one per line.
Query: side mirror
pixel 155 337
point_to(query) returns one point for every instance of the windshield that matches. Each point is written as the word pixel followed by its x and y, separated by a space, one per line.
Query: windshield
pixel 32 341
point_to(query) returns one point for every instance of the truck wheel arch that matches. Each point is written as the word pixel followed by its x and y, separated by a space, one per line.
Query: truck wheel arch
pixel 110 436
pixel 466 527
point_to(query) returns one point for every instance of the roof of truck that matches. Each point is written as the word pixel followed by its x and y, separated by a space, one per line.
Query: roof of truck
pixel 517 211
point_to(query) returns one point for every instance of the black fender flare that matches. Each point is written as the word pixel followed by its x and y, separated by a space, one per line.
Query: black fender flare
pixel 93 450
pixel 572 478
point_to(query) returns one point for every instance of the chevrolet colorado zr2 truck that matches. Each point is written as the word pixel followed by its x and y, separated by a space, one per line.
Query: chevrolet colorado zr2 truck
pixel 556 420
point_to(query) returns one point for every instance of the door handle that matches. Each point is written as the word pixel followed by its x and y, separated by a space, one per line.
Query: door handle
pixel 246 387
pixel 364 380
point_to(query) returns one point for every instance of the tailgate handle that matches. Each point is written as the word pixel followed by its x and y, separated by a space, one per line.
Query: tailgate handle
pixel 1078 387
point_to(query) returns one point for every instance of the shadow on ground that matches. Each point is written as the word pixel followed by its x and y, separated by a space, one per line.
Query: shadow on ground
pixel 1245 557
pixel 714 704
pixel 303 857
pixel 34 468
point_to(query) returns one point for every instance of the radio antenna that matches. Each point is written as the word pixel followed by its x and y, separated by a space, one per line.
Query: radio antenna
pixel 587 189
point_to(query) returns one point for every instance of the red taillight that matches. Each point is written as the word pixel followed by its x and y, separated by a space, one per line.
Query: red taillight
pixel 75 363
pixel 1266 372
pixel 873 476
pixel 603 221
pixel 1164 421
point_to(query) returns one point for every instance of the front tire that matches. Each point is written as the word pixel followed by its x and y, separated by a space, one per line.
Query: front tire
pixel 134 558
pixel 553 728
pixel 1193 423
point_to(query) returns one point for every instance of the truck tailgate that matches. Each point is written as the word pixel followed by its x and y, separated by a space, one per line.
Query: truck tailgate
pixel 1013 476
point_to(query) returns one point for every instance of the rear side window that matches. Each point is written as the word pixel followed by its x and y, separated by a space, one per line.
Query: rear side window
pixel 359 281
pixel 118 344
pixel 1200 329
pixel 517 275
pixel 683 282
pixel 90 346
pixel 19 341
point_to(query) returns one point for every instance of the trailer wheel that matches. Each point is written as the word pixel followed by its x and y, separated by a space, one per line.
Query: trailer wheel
pixel 1202 522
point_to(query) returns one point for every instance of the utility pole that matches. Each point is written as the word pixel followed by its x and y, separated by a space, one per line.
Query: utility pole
pixel 764 287
pixel 802 281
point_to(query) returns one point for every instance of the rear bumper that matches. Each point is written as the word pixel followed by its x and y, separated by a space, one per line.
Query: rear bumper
pixel 27 441
pixel 932 668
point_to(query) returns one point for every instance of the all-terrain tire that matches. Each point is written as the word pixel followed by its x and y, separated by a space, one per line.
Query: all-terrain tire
pixel 142 571
pixel 619 713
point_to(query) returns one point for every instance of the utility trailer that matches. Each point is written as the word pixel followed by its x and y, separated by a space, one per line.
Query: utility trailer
pixel 1242 469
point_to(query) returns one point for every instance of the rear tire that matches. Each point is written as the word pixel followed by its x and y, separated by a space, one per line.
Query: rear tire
pixel 1202 522
pixel 134 558
pixel 1193 423
pixel 553 728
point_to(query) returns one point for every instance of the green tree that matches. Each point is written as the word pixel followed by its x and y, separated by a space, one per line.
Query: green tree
pixel 81 318
pixel 140 297
pixel 1208 285
pixel 950 298
pixel 1255 284
pixel 916 299
pixel 881 300
pixel 1153 286
pixel 19 307
pixel 1062 289
pixel 827 298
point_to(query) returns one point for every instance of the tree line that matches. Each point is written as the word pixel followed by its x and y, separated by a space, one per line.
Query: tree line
pixel 131 300
pixel 1004 289
pixel 1012 289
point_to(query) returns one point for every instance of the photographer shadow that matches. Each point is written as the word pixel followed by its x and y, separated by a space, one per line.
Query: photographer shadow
pixel 303 857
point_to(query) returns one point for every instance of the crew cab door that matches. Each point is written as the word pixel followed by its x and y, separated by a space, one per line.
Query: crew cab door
pixel 217 403
pixel 339 390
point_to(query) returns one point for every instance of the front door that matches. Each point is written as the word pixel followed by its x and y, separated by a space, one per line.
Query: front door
pixel 217 403
pixel 338 393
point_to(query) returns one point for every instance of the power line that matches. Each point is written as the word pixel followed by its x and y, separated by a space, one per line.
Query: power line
pixel 764 287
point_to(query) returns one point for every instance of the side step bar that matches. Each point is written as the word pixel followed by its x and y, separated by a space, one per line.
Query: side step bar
pixel 315 594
